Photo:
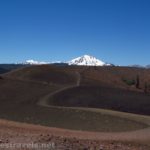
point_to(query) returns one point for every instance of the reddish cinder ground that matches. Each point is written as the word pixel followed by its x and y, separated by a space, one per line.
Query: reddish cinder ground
pixel 61 139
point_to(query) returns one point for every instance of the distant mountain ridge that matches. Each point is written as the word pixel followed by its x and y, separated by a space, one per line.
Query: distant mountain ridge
pixel 85 60
pixel 35 62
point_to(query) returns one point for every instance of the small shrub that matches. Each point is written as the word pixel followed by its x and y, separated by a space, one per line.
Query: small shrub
pixel 129 82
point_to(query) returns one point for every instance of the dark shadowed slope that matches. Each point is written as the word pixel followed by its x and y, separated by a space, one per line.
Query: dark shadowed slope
pixel 103 97
pixel 45 74
pixel 20 91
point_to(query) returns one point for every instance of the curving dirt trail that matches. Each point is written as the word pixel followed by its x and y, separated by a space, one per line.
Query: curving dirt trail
pixel 44 100
pixel 142 135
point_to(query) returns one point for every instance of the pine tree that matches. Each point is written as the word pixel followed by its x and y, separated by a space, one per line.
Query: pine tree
pixel 137 81
pixel 145 87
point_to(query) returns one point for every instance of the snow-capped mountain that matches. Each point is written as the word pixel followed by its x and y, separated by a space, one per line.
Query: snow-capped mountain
pixel 87 60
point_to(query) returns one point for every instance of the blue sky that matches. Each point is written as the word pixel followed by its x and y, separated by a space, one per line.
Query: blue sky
pixel 116 31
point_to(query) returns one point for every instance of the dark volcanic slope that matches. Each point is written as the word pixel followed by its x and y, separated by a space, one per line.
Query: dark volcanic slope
pixel 8 67
pixel 2 70
pixel 106 76
pixel 103 97
pixel 115 76
pixel 18 102
pixel 20 91
pixel 45 74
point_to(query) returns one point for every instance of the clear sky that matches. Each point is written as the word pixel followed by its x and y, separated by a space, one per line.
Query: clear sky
pixel 115 31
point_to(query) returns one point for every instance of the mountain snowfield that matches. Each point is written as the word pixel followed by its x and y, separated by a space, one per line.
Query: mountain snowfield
pixel 85 60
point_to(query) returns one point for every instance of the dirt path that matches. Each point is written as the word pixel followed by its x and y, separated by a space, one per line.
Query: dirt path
pixel 44 100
